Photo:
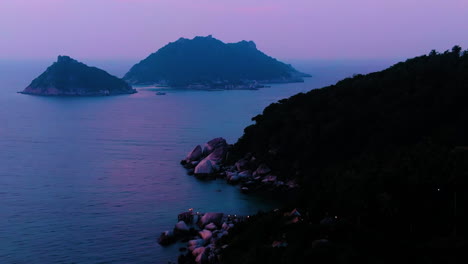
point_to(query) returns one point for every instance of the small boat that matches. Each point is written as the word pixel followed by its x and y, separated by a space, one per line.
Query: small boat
pixel 160 93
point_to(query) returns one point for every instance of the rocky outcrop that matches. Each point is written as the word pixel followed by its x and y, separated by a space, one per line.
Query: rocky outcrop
pixel 214 218
pixel 205 167
pixel 202 239
pixel 206 162
pixel 214 144
pixel 195 154
pixel 68 77
pixel 249 172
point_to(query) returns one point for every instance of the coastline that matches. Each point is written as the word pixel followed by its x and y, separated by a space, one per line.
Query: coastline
pixel 206 233
pixel 211 162
pixel 58 93
pixel 223 86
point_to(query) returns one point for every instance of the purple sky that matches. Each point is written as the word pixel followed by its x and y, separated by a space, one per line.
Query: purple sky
pixel 286 29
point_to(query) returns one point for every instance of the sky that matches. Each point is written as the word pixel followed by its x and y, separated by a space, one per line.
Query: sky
pixel 285 29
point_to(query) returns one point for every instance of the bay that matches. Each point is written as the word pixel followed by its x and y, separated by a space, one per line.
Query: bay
pixel 96 179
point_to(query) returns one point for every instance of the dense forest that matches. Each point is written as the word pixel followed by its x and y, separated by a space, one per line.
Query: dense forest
pixel 382 161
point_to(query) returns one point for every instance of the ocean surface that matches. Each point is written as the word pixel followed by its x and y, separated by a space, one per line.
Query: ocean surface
pixel 95 180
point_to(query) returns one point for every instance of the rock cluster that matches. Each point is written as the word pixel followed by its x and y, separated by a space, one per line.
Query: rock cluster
pixel 205 162
pixel 201 232
pixel 248 172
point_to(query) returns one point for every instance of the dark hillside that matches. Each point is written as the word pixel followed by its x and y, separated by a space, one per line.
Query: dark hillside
pixel 386 153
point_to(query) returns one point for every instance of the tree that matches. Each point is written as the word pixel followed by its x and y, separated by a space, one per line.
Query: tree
pixel 456 50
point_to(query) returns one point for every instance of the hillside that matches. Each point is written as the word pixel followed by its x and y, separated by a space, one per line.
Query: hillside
pixel 382 161
pixel 206 61
pixel 68 77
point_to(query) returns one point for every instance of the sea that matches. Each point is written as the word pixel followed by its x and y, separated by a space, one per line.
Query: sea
pixel 97 179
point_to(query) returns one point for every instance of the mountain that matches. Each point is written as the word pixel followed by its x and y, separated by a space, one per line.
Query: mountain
pixel 68 77
pixel 208 62
pixel 382 161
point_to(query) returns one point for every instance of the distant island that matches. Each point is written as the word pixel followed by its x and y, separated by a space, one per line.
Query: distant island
pixel 68 77
pixel 208 63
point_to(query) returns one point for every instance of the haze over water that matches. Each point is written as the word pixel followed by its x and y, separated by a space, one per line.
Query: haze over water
pixel 95 180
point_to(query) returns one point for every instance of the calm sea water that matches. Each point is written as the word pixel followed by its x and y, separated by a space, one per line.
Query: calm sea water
pixel 95 180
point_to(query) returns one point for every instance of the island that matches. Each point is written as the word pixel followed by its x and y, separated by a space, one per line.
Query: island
pixel 68 77
pixel 208 63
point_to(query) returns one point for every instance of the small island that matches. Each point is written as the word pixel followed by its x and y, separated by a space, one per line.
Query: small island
pixel 68 77
pixel 208 63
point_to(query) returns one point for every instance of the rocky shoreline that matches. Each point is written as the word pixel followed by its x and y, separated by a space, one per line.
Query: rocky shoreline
pixel 208 235
pixel 201 232
pixel 250 174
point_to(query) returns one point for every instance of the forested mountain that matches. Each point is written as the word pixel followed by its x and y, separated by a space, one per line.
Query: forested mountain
pixel 209 61
pixel 382 161
pixel 72 78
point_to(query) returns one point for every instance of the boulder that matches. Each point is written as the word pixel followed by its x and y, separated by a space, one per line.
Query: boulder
pixel 242 164
pixel 205 234
pixel 195 154
pixel 196 243
pixel 198 251
pixel 187 217
pixel 233 178
pixel 166 238
pixel 213 144
pixel 211 226
pixel 215 218
pixel 263 169
pixel 245 174
pixel 181 228
pixel 204 167
pixel 230 174
pixel 224 233
pixel 269 179
pixel 202 257
pixel 218 155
